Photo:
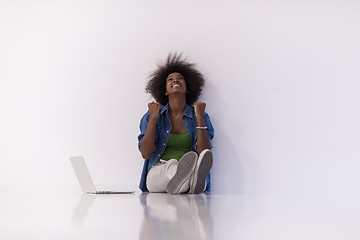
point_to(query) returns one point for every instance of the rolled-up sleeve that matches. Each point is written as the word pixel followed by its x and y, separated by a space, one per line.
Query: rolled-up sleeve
pixel 209 129
pixel 143 126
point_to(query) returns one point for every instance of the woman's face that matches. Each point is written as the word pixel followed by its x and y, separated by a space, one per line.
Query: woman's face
pixel 175 83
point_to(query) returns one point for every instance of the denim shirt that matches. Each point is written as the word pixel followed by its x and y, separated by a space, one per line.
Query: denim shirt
pixel 162 133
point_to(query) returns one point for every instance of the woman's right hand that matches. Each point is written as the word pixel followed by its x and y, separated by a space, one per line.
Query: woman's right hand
pixel 148 142
pixel 154 109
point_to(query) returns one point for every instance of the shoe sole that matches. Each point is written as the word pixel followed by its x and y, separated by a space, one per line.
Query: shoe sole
pixel 201 173
pixel 185 167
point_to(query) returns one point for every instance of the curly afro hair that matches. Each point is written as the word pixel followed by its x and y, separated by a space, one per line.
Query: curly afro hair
pixel 156 84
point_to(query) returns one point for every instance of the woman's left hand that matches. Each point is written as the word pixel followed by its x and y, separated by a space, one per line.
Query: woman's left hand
pixel 200 109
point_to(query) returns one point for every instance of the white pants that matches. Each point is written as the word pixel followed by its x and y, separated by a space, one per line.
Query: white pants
pixel 160 175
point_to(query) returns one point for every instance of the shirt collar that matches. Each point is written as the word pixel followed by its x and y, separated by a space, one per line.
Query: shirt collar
pixel 164 108
pixel 188 110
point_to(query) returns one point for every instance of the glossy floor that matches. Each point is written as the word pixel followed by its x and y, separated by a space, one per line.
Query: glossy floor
pixel 163 216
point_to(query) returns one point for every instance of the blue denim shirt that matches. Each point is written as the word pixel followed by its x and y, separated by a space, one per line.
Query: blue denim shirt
pixel 162 133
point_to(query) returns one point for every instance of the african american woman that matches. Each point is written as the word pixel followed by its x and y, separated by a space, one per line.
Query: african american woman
pixel 176 132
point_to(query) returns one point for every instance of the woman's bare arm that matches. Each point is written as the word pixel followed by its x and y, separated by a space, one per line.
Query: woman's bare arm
pixel 202 140
pixel 148 142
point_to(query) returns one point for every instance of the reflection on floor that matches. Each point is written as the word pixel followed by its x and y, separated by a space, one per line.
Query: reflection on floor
pixel 186 216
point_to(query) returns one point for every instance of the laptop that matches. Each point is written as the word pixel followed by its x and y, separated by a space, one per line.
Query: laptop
pixel 85 180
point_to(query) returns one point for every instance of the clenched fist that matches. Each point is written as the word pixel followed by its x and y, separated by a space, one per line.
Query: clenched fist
pixel 200 109
pixel 154 109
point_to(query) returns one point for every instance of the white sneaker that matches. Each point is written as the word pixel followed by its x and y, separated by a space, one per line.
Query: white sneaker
pixel 184 170
pixel 203 166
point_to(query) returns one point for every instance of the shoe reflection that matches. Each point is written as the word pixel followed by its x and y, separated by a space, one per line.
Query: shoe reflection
pixel 182 216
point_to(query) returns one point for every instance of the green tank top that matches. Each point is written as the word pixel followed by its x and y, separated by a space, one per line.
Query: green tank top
pixel 177 146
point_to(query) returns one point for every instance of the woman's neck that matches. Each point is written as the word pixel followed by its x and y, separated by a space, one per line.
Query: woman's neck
pixel 177 104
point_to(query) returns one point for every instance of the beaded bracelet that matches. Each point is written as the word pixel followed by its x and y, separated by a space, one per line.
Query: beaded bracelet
pixel 203 128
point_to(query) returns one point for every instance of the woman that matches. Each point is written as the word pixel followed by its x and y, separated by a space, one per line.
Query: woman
pixel 174 131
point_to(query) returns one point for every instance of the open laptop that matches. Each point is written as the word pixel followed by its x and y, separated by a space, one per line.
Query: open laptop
pixel 84 178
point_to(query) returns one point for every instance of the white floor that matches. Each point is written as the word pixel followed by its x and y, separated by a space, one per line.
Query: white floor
pixel 163 216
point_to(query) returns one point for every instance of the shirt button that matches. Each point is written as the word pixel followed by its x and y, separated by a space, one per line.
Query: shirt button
pixel 167 131
pixel 164 144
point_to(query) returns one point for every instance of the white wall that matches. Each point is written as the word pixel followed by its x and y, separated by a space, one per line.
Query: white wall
pixel 282 90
